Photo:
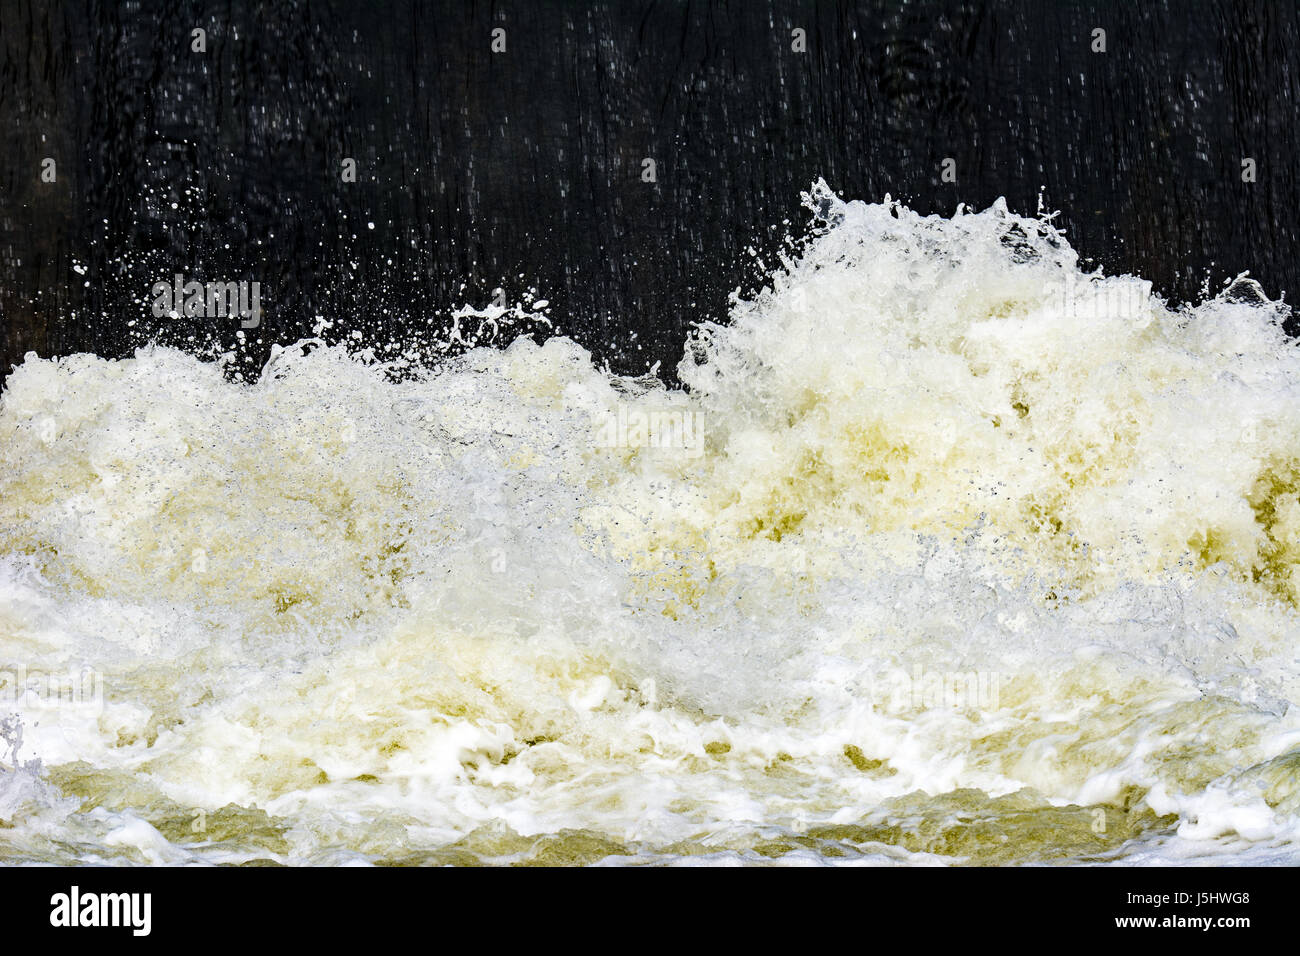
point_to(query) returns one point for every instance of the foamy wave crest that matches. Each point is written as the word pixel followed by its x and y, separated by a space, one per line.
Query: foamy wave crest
pixel 948 551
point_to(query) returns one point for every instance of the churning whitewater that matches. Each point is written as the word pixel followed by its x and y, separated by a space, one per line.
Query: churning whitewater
pixel 947 552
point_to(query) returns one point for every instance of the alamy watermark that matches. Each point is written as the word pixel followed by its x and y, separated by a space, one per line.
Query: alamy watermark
pixel 670 429
pixel 75 908
pixel 208 299
pixel 1115 298
pixel 900 691
pixel 49 690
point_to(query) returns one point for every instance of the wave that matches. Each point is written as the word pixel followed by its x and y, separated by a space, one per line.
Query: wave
pixel 947 550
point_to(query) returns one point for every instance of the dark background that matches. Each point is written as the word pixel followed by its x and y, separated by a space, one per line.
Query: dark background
pixel 523 169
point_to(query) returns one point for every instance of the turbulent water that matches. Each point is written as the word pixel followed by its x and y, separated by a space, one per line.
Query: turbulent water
pixel 948 552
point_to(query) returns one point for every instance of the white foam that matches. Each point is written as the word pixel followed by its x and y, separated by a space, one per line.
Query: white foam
pixel 967 535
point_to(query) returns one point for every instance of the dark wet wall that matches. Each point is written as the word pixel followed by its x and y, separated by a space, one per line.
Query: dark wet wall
pixel 525 168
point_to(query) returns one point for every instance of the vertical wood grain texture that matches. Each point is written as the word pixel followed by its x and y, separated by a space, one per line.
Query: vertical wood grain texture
pixel 522 169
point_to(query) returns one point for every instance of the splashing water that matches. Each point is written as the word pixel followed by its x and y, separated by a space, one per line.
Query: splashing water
pixel 948 552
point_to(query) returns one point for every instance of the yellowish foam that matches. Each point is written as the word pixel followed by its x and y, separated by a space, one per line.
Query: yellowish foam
pixel 948 552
